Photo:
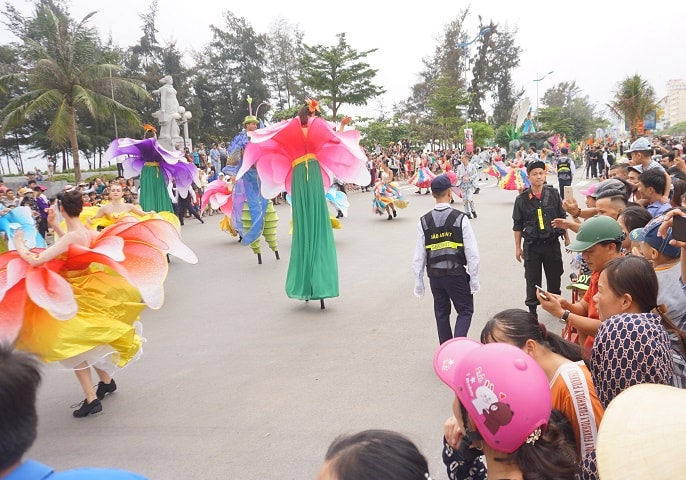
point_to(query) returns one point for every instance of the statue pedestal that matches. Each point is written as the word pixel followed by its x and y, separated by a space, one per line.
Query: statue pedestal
pixel 175 143
pixel 178 143
pixel 166 143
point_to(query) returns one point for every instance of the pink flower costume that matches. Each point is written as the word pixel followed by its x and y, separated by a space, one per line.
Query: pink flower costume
pixel 303 161
pixel 423 176
pixel 83 306
pixel 218 195
pixel 516 178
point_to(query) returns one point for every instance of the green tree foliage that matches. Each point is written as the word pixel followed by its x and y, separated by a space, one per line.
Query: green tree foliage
pixel 447 61
pixel 633 100
pixel 567 112
pixel 442 104
pixel 678 129
pixel 65 77
pixel 149 61
pixel 283 49
pixel 228 71
pixel 499 61
pixel 338 75
pixel 482 132
pixel 481 78
pixel 495 57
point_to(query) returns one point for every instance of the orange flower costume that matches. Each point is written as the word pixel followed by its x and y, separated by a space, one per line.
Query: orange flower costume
pixel 84 305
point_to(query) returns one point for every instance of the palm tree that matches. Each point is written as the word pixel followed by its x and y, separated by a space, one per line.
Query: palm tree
pixel 633 100
pixel 66 76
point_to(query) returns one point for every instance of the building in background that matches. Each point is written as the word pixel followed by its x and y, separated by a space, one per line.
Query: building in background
pixel 675 102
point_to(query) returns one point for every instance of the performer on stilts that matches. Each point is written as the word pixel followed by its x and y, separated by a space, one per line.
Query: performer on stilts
pixel 252 215
pixel 301 156
pixel 156 167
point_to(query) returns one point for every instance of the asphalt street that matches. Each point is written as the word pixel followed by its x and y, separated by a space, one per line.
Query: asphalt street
pixel 237 381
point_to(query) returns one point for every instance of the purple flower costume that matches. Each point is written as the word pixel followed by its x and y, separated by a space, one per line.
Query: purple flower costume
pixel 156 167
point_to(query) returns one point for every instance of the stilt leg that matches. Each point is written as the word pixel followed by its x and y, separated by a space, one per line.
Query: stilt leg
pixel 321 303
pixel 259 258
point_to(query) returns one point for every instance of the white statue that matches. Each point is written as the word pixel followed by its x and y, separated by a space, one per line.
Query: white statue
pixel 168 114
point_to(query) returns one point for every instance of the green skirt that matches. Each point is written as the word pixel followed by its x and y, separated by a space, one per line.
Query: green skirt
pixel 153 192
pixel 313 268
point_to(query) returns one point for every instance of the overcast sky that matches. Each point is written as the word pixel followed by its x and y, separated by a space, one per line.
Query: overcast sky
pixel 595 43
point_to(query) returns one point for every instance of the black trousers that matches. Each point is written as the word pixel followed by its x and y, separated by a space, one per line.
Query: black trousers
pixel 595 167
pixel 455 289
pixel 186 204
pixel 561 185
pixel 538 258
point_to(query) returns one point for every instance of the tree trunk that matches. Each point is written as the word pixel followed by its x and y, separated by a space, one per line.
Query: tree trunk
pixel 74 144
pixel 19 162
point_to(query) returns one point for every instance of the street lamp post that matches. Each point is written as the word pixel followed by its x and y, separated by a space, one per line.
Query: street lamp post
pixel 184 116
pixel 538 81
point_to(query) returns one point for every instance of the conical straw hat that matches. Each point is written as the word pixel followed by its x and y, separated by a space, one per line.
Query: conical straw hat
pixel 642 434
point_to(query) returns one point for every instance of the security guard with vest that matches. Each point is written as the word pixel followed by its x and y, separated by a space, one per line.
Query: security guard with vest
pixel 534 209
pixel 565 170
pixel 447 247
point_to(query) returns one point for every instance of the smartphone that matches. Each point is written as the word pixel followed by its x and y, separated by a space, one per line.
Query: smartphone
pixel 679 228
pixel 569 193
pixel 542 292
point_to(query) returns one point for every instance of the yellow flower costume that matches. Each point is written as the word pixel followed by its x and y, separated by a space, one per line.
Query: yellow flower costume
pixel 84 305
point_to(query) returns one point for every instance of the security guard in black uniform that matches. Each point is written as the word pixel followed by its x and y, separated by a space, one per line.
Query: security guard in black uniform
pixel 534 209
pixel 447 247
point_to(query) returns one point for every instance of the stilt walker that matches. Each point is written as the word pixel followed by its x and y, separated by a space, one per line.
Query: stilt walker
pixel 252 215
pixel 301 156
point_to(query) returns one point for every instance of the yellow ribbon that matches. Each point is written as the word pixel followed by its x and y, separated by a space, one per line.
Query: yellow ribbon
pixel 304 158
pixel 541 225
pixel 153 164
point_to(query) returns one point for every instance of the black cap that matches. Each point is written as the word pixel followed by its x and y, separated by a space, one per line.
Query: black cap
pixel 440 183
pixel 564 150
pixel 610 188
pixel 535 164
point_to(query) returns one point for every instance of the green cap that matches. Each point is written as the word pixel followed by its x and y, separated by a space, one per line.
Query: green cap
pixel 251 119
pixel 600 228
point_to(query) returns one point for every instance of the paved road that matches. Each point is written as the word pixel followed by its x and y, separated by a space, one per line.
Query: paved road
pixel 239 382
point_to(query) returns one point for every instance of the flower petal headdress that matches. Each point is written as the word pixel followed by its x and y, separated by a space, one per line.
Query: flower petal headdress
pixel 312 104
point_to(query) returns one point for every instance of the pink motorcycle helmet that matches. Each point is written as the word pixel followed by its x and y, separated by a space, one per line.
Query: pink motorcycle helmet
pixel 504 391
